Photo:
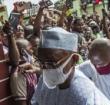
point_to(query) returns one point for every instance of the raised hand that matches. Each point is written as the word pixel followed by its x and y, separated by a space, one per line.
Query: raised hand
pixel 19 7
pixel 45 4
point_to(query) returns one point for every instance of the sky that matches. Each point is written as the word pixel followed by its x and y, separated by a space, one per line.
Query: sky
pixel 9 3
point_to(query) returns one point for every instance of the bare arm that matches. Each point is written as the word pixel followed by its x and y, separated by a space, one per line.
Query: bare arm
pixel 37 22
pixel 14 55
pixel 62 17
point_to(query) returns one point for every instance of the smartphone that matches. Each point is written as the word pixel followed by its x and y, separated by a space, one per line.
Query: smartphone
pixel 48 3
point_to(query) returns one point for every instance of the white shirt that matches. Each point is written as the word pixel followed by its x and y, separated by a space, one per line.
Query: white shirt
pixel 101 81
pixel 80 92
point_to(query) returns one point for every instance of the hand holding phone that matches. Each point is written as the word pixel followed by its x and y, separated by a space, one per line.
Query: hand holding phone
pixel 45 3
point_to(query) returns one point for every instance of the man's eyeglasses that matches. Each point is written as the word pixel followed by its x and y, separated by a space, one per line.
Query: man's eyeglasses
pixel 50 63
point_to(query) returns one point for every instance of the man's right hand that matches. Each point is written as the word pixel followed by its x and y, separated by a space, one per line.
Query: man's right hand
pixel 19 7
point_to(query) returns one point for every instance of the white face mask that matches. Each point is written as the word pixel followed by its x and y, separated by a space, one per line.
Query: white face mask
pixel 53 77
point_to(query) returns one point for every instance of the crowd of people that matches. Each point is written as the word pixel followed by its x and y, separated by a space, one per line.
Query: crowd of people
pixel 55 59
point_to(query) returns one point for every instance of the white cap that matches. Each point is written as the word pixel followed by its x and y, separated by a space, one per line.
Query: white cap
pixel 58 38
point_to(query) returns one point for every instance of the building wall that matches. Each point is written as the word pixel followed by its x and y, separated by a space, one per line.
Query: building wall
pixel 77 7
